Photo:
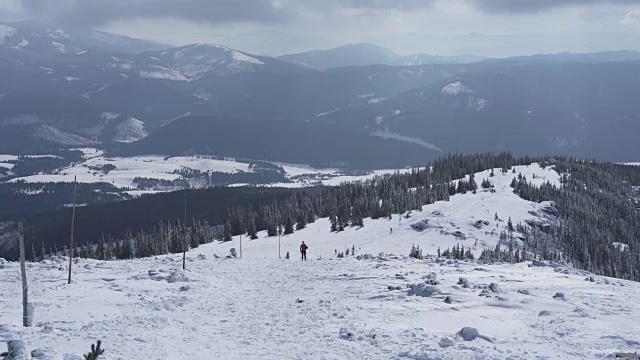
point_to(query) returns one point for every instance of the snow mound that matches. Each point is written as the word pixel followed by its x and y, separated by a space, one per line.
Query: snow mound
pixel 177 276
pixel 620 246
pixel 446 342
pixel 455 88
pixel 477 104
pixel 130 130
pixel 159 72
pixel 6 31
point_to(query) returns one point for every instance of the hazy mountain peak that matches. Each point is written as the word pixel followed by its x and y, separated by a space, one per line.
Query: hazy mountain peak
pixel 368 54
pixel 46 37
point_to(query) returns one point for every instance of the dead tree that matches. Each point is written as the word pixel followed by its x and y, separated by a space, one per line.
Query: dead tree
pixel 27 309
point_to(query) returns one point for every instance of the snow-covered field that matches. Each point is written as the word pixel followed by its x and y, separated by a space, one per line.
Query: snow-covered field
pixel 377 306
pixel 161 167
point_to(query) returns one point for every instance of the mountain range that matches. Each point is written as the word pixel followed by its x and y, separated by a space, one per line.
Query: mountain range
pixel 358 106
pixel 369 54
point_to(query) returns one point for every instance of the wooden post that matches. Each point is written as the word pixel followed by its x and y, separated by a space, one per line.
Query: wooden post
pixel 26 310
pixel 184 239
pixel 73 224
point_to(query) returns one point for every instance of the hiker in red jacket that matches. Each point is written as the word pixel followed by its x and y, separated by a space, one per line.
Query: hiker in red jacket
pixel 303 250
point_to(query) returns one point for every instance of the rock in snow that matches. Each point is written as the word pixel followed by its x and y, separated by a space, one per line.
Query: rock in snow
pixel 424 290
pixel 177 276
pixel 470 334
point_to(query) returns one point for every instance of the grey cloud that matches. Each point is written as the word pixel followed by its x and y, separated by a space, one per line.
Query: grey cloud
pixel 98 12
pixel 529 6
pixel 391 4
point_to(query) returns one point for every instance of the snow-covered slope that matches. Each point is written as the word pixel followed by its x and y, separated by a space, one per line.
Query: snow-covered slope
pixel 130 130
pixel 48 38
pixel 198 59
pixel 378 306
pixel 58 136
pixel 467 220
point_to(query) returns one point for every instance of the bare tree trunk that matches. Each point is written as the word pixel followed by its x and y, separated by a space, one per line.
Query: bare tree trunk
pixel 27 309
pixel 184 239
pixel 73 224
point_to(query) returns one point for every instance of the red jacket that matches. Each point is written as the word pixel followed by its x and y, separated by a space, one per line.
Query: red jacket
pixel 303 248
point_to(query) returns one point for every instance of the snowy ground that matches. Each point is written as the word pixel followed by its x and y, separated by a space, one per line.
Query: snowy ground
pixel 161 167
pixel 364 307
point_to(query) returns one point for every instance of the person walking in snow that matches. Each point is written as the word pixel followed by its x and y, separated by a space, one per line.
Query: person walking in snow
pixel 303 250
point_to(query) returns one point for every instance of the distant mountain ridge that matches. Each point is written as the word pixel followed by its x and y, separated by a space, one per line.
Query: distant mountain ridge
pixel 65 88
pixel 44 38
pixel 368 54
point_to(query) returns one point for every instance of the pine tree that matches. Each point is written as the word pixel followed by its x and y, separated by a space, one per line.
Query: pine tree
pixel 472 185
pixel 194 236
pixel 462 187
pixel 302 222
pixel 272 229
pixel 100 253
pixel 96 351
pixel 227 231
pixel 334 223
pixel 288 226
pixel 251 229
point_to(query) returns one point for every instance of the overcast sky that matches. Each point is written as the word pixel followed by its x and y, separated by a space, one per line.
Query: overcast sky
pixel 434 26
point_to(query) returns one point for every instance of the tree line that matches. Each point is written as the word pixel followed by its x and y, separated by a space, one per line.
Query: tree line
pixel 594 202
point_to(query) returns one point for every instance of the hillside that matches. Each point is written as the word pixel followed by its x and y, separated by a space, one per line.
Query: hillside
pixel 534 109
pixel 379 302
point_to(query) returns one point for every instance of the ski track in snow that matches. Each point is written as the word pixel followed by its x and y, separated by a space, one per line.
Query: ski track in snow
pixel 248 309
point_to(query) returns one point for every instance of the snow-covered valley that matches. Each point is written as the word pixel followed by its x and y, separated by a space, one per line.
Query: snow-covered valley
pixel 378 304
pixel 124 170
